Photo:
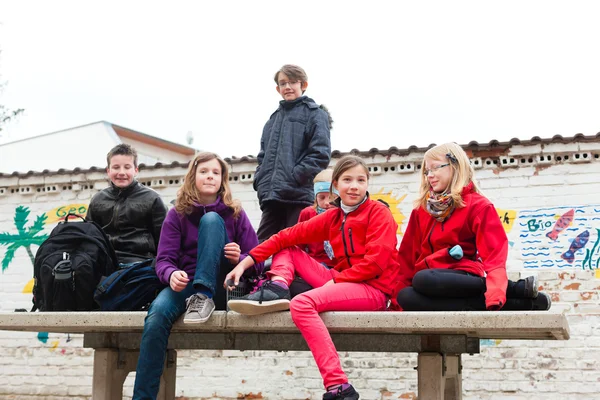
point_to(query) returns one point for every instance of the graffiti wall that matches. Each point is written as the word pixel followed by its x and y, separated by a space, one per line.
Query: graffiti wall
pixel 560 237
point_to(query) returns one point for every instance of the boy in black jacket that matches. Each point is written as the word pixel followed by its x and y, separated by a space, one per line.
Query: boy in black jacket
pixel 130 214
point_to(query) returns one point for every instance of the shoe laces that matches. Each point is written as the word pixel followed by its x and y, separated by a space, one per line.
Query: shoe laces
pixel 196 303
pixel 262 291
pixel 333 394
pixel 259 285
pixel 265 285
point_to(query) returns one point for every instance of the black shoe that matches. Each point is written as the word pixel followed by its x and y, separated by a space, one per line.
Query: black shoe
pixel 270 297
pixel 531 287
pixel 523 288
pixel 348 394
pixel 542 302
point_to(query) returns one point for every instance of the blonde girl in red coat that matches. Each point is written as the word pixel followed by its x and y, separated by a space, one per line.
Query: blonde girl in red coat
pixel 453 253
pixel 362 234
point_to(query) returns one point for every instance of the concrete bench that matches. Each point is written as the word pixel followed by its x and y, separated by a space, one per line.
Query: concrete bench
pixel 439 338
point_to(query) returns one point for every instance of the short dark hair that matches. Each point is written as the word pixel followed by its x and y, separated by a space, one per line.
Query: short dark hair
pixel 122 149
pixel 293 72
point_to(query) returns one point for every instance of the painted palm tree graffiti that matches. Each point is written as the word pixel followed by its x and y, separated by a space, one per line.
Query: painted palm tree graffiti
pixel 589 254
pixel 25 236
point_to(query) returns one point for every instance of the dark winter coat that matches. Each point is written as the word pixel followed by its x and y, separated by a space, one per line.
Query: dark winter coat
pixel 295 146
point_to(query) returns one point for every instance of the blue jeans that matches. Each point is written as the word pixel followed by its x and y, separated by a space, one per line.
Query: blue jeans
pixel 170 305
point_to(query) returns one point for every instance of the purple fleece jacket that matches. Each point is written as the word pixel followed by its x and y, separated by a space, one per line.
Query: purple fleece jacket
pixel 178 245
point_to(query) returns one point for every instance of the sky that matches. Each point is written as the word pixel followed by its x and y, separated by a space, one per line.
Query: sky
pixel 392 73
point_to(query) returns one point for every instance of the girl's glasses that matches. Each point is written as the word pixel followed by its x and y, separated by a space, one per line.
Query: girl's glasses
pixel 433 170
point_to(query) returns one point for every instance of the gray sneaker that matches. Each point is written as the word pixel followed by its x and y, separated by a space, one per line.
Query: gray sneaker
pixel 199 309
pixel 268 298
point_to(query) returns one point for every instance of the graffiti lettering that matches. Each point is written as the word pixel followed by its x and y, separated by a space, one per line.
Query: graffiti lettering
pixel 62 212
pixel 507 218
pixel 534 225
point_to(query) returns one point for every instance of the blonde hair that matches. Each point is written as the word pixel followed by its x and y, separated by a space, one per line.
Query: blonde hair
pixel 462 173
pixel 323 176
pixel 188 194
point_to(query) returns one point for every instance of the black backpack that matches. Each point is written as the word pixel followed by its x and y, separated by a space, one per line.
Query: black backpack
pixel 131 288
pixel 69 265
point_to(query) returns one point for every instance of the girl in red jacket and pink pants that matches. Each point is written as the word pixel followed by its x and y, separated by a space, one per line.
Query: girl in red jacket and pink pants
pixel 453 253
pixel 362 234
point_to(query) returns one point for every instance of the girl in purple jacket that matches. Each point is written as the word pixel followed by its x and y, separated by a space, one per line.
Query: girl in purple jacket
pixel 203 237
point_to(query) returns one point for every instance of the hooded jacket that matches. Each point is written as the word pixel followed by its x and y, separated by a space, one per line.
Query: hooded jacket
pixel 364 242
pixel 178 247
pixel 476 227
pixel 131 218
pixel 294 148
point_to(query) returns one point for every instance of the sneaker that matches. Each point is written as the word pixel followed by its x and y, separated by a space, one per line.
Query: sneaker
pixel 531 287
pixel 348 394
pixel 199 309
pixel 268 298
pixel 542 302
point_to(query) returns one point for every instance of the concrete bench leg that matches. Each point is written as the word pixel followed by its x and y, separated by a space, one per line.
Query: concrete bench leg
pixel 108 380
pixel 111 367
pixel 439 377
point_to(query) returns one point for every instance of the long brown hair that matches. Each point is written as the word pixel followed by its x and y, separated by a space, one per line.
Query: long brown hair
pixel 462 173
pixel 188 194
pixel 343 165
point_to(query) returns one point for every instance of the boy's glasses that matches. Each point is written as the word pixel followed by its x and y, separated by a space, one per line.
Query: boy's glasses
pixel 433 170
pixel 284 84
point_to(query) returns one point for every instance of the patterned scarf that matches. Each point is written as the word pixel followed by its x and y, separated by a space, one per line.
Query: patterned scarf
pixel 440 206
pixel 326 244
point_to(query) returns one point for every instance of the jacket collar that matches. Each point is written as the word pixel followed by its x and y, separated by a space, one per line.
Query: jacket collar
pixel 218 206
pixel 124 191
pixel 300 100
pixel 338 202
pixel 468 189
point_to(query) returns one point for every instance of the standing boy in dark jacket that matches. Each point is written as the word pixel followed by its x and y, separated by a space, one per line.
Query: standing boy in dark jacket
pixel 130 214
pixel 294 147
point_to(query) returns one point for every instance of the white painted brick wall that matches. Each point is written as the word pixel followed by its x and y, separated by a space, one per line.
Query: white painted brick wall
pixel 57 367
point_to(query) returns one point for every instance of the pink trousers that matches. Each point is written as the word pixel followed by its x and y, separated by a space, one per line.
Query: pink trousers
pixel 305 308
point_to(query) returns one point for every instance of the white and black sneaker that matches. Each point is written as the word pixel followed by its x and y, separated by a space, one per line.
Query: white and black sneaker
pixel 269 297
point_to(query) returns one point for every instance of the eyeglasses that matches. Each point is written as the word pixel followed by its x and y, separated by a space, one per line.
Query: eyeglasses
pixel 284 84
pixel 434 169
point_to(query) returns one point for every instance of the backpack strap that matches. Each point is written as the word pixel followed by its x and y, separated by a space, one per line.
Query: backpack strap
pixel 73 215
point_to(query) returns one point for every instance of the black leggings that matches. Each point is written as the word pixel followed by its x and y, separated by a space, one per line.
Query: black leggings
pixel 452 290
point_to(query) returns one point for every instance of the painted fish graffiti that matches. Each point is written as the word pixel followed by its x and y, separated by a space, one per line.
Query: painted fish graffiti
pixel 563 223
pixel 578 243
